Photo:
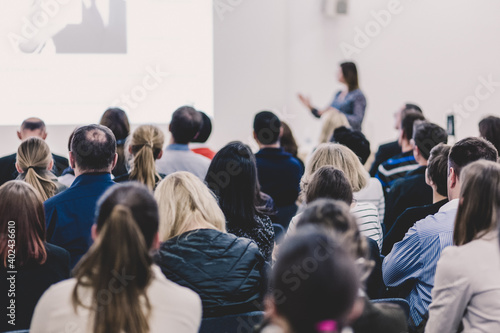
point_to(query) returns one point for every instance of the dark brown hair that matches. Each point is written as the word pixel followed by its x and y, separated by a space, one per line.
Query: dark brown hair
pixel 328 182
pixel 287 141
pixel 469 150
pixel 408 119
pixel 350 73
pixel 489 128
pixel 21 207
pixel 437 168
pixel 479 199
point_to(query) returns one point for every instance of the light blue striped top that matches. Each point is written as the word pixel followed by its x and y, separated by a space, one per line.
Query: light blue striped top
pixel 416 257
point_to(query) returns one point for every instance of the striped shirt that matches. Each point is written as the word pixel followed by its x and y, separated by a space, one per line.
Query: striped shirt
pixel 374 194
pixel 396 167
pixel 416 257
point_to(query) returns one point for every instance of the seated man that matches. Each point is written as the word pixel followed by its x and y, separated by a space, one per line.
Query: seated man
pixel 279 172
pixel 397 166
pixel 70 215
pixel 390 149
pixel 436 176
pixel 414 259
pixel 198 144
pixel 412 190
pixel 184 127
pixel 30 127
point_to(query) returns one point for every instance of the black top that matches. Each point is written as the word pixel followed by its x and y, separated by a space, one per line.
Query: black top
pixel 227 272
pixel 8 167
pixel 385 152
pixel 405 221
pixel 410 191
pixel 380 318
pixel 30 283
pixel 375 287
pixel 126 178
pixel 262 234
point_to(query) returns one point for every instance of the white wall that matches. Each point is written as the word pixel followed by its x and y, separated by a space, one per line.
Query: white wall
pixel 431 53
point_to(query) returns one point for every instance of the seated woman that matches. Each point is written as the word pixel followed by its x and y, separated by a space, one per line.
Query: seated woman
pixel 34 162
pixel 466 293
pixel 228 272
pixel 344 159
pixel 240 199
pixel 116 287
pixel 335 218
pixel 26 261
pixel 146 146
pixel 117 121
pixel 320 295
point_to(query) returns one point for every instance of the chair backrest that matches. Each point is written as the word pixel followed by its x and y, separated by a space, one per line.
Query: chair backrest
pixel 19 331
pixel 399 301
pixel 240 323
pixel 279 231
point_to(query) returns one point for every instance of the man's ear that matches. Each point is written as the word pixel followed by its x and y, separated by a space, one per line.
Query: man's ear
pixel 115 160
pixel 130 149
pixel 43 135
pixel 452 178
pixel 93 232
pixel 51 165
pixel 72 163
pixel 255 136
pixel 19 135
pixel 18 168
pixel 160 154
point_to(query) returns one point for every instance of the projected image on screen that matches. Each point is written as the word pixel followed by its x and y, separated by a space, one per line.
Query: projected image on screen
pixel 66 61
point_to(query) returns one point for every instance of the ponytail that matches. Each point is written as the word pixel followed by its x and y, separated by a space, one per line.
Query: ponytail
pixel 46 187
pixel 118 269
pixel 147 143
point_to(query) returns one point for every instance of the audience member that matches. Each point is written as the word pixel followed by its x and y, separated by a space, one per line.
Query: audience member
pixel 397 166
pixel 279 172
pixel 116 288
pixel 489 129
pixel 184 127
pixel 466 293
pixel 287 141
pixel 23 250
pixel 436 177
pixel 69 215
pixel 342 158
pixel 357 142
pixel 198 144
pixel 335 217
pixel 232 176
pixel 414 259
pixel 320 300
pixel 30 127
pixel 331 120
pixel 117 121
pixel 34 163
pixel 68 175
pixel 145 146
pixel 412 190
pixel 388 150
pixel 226 271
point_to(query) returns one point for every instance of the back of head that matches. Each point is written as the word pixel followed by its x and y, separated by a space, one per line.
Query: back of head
pixel 489 128
pixel 325 289
pixel 205 130
pixel 93 147
pixel 478 212
pixel 350 73
pixel 22 215
pixel 183 201
pixel 232 176
pixel 287 141
pixel 117 121
pixel 469 150
pixel 127 222
pixel 407 121
pixel 412 107
pixel 341 158
pixel 331 120
pixel 146 145
pixel 427 135
pixel 328 182
pixel 267 127
pixel 185 124
pixel 437 168
pixel 354 140
pixel 34 158
pixel 32 127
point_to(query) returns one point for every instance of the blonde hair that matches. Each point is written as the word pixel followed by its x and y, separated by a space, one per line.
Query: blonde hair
pixel 341 158
pixel 34 158
pixel 332 120
pixel 184 200
pixel 146 143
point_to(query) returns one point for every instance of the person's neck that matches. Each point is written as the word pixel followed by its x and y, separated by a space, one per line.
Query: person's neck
pixel 274 145
pixel 79 172
pixel 172 142
pixel 436 197
pixel 421 161
pixel 406 146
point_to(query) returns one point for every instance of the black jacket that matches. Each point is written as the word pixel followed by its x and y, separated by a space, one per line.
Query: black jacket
pixel 385 152
pixel 227 272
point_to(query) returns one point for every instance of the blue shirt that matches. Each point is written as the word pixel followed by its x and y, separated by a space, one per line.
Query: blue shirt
pixel 70 215
pixel 353 106
pixel 416 256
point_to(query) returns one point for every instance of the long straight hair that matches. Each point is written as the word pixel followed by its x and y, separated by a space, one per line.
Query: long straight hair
pixel 477 213
pixel 350 73
pixel 127 222
pixel 146 144
pixel 34 157
pixel 21 209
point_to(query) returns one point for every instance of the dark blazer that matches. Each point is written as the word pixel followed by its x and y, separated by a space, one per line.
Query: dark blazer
pixel 8 167
pixel 227 272
pixel 405 221
pixel 410 191
pixel 375 287
pixel 70 215
pixel 31 281
pixel 385 152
